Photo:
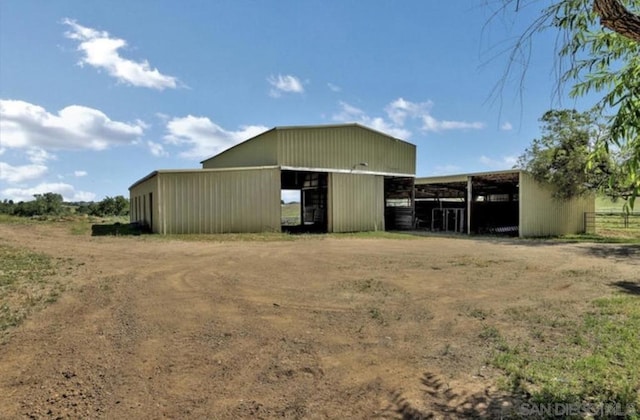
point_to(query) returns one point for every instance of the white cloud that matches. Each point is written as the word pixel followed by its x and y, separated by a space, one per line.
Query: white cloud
pixel 205 138
pixel 400 109
pixel 157 149
pixel 506 126
pixel 25 125
pixel 446 169
pixel 431 124
pixel 399 112
pixel 79 174
pixel 18 174
pixel 67 191
pixel 350 113
pixel 505 162
pixel 284 84
pixel 102 52
pixel 39 156
pixel 334 88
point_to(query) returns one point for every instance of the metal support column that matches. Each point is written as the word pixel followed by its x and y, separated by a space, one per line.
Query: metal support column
pixel 469 201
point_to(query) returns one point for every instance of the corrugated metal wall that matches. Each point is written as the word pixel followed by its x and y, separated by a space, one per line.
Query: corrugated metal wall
pixel 356 202
pixel 542 215
pixel 220 201
pixel 260 151
pixel 345 148
pixel 143 203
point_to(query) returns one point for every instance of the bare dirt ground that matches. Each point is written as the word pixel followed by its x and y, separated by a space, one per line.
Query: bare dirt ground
pixel 318 327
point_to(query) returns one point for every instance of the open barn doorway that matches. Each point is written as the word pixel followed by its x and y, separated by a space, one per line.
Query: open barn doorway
pixel 311 208
pixel 482 203
pixel 398 203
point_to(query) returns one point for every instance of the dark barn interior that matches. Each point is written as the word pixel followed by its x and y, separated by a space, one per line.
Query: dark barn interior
pixel 398 203
pixel 442 205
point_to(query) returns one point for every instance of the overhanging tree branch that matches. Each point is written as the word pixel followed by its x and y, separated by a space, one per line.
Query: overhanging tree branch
pixel 614 16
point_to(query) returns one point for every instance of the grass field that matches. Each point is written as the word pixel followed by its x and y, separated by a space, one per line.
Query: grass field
pixel 592 358
pixel 290 214
pixel 27 283
pixel 605 204
pixel 612 221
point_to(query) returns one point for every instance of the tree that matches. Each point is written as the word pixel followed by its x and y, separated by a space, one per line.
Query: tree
pixel 565 156
pixel 110 206
pixel 49 203
pixel 601 52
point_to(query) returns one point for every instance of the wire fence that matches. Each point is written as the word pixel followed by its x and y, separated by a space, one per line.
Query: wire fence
pixel 613 223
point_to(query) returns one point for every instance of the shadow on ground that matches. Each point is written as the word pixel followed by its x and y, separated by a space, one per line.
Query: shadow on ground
pixel 620 252
pixel 119 229
pixel 444 403
pixel 628 287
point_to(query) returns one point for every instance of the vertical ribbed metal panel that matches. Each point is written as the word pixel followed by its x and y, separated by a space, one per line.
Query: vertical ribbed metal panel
pixel 141 210
pixel 344 147
pixel 356 202
pixel 220 201
pixel 259 151
pixel 542 215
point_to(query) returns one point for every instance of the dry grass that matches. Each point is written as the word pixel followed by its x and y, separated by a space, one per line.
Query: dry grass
pixel 28 281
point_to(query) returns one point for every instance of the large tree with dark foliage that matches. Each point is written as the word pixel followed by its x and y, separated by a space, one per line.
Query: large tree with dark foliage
pixel 566 156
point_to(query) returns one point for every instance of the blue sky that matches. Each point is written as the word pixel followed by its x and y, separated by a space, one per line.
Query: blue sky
pixel 95 95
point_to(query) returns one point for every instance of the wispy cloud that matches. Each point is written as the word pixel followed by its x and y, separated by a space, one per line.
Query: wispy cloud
pixel 349 113
pixel 446 169
pixel 505 162
pixel 102 51
pixel 432 124
pixel 334 88
pixel 157 149
pixel 39 156
pixel 79 174
pixel 68 192
pixel 398 114
pixel 22 173
pixel 204 138
pixel 506 126
pixel 28 126
pixel 284 84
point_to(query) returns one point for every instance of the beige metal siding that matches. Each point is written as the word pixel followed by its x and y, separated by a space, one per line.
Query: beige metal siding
pixel 144 202
pixel 259 151
pixel 542 215
pixel 356 202
pixel 344 147
pixel 220 201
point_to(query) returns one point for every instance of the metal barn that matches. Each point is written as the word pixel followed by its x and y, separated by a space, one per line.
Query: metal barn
pixel 501 202
pixel 350 178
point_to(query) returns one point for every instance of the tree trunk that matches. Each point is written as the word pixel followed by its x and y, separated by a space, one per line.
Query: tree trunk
pixel 615 16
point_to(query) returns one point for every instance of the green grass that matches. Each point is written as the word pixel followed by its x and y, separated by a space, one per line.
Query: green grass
pixel 605 204
pixel 291 210
pixel 593 360
pixel 26 284
pixel 15 220
pixel 77 224
pixel 598 238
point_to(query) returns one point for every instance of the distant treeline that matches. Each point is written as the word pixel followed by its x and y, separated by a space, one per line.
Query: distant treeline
pixel 52 204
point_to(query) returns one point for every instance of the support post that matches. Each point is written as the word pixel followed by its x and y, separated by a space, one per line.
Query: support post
pixel 469 201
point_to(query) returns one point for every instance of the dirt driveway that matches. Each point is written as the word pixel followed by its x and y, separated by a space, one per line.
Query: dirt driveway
pixel 319 327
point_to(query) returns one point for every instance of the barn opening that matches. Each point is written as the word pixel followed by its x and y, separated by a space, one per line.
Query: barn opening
pixel 398 203
pixel 312 203
pixel 481 203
